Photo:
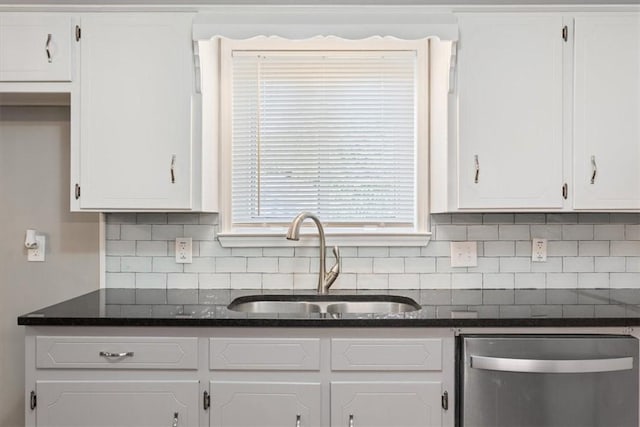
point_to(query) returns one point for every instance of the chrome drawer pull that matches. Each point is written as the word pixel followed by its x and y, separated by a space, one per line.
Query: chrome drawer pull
pixel 477 166
pixel 123 354
pixel 538 366
pixel 298 420
pixel 594 169
pixel 47 48
pixel 175 419
pixel 351 424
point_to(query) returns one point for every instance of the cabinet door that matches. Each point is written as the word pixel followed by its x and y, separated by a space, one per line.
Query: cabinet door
pixel 117 403
pixel 510 111
pixel 265 404
pixel 607 112
pixel 135 133
pixel 35 47
pixel 384 404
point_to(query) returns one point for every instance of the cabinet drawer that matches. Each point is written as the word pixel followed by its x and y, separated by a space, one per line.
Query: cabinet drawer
pixel 386 354
pixel 116 353
pixel 288 354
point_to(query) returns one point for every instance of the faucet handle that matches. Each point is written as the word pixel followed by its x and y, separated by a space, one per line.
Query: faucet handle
pixel 336 253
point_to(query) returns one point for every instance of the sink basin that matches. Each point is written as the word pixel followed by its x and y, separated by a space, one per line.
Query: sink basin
pixel 331 304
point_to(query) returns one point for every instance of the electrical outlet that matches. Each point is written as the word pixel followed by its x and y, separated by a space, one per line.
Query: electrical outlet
pixel 464 254
pixel 184 250
pixel 37 254
pixel 538 250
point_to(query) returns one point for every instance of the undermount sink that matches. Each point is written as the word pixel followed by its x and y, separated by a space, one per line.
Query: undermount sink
pixel 331 304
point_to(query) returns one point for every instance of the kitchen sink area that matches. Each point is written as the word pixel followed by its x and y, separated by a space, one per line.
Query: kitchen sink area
pixel 330 304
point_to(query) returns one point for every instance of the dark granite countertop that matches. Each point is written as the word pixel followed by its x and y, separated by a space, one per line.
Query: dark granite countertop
pixel 440 308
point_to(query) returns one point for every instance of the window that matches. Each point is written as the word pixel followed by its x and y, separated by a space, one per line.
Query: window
pixel 330 126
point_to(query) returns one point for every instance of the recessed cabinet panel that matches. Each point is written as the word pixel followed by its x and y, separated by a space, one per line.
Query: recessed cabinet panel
pixel 117 403
pixel 386 354
pixel 136 118
pixel 510 111
pixel 265 404
pixel 35 47
pixel 607 112
pixel 287 354
pixel 384 404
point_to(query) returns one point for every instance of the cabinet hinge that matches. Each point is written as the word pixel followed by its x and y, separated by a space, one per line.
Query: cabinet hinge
pixel 77 193
pixel 33 400
pixel 565 33
pixel 445 401
pixel 206 400
pixel 78 33
pixel 565 191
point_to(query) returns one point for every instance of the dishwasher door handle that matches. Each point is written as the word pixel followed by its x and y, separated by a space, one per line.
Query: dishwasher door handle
pixel 541 366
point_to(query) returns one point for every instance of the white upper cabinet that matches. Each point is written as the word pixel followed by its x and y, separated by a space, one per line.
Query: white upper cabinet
pixel 136 130
pixel 510 152
pixel 35 47
pixel 606 138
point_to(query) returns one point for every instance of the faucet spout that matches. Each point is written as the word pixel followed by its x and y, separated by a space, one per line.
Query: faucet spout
pixel 325 280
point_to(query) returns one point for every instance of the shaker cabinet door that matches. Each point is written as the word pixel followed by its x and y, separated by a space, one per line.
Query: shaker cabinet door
pixel 136 111
pixel 607 112
pixel 117 403
pixel 510 111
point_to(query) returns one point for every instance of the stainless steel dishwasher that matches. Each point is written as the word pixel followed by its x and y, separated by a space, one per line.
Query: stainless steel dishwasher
pixel 548 381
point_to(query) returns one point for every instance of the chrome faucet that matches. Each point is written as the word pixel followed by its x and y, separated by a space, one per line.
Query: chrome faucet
pixel 325 279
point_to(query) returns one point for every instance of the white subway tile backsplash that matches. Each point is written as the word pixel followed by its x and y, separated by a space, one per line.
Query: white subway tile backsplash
pixel 112 231
pixel 499 248
pixel 201 265
pixel 625 248
pixel 121 280
pixel 199 232
pixel 466 281
pixel 231 265
pixel 514 232
pixel 608 232
pixel 151 280
pixel 587 250
pixel 121 247
pixel 388 265
pixel 166 232
pixel 593 248
pixel 151 248
pixel 166 265
pixel 577 232
pixel 135 264
pixel 262 265
pixel 420 265
pixel 515 265
pixel 182 280
pixel 609 264
pixel 404 281
pixel 578 264
pixel 499 281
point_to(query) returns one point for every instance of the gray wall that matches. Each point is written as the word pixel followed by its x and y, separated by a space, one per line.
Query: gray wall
pixel 34 182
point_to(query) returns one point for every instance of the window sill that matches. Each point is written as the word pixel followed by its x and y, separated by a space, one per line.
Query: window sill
pixel 277 239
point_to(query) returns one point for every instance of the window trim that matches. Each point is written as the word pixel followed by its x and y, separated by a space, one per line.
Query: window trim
pixel 357 236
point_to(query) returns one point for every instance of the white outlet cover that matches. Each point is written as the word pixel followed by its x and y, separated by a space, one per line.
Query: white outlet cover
pixel 184 250
pixel 464 254
pixel 37 254
pixel 538 249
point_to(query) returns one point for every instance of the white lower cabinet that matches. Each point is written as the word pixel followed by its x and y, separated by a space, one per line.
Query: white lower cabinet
pixel 117 403
pixel 238 377
pixel 265 404
pixel 384 404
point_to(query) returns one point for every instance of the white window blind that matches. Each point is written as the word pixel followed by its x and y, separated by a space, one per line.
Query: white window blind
pixel 330 132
